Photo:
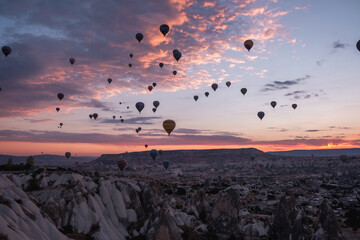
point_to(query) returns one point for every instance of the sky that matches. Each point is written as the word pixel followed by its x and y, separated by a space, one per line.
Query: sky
pixel 304 53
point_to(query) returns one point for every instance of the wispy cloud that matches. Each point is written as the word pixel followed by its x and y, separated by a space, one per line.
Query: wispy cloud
pixel 280 85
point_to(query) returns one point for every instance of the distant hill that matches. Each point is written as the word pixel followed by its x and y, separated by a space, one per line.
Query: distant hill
pixel 50 160
pixel 319 152
pixel 183 156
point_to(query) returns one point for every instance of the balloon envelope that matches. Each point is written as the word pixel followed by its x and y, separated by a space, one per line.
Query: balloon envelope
pixel 261 115
pixel 156 104
pixel 243 91
pixel 68 155
pixel 214 86
pixel 358 45
pixel 169 125
pixel 166 164
pixel 273 104
pixel 153 154
pixel 150 88
pixel 248 44
pixel 109 80
pixel 139 37
pixel 130 65
pixel 164 29
pixel 131 55
pixel 57 109
pixel 206 94
pixel 174 72
pixel 228 83
pixel 146 145
pixel 154 109
pixel 161 65
pixel 95 115
pixel 139 106
pixel 196 97
pixel 294 106
pixel 72 60
pixel 60 96
pixel 6 50
pixel 90 116
pixel 154 84
pixel 177 55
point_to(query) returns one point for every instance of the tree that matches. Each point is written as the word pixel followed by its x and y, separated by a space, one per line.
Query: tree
pixel 10 162
pixel 30 161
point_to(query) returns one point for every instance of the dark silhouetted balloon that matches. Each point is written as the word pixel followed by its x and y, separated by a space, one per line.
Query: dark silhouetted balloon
pixel 150 88
pixel 174 72
pixel 6 50
pixel 358 45
pixel 57 109
pixel 114 117
pixel 139 106
pixel 164 29
pixel 139 37
pixel 131 55
pixel 156 104
pixel 243 91
pixel 121 165
pixel 161 65
pixel 153 154
pixel 95 115
pixel 154 84
pixel 130 65
pixel 261 115
pixel 294 106
pixel 72 60
pixel 196 97
pixel 68 155
pixel 61 124
pixel 177 54
pixel 166 164
pixel 273 104
pixel 248 44
pixel 120 103
pixel 154 110
pixel 90 116
pixel 169 125
pixel 60 96
pixel 160 152
pixel 122 120
pixel 214 86
pixel 206 94
pixel 228 83
pixel 127 107
pixel 0 89
pixel 146 145
pixel 109 80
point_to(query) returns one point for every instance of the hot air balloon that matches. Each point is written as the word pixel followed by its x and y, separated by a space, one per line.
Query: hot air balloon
pixel 68 155
pixel 196 97
pixel 174 72
pixel 294 106
pixel 122 120
pixel 138 130
pixel 72 60
pixel 160 152
pixel 169 125
pixel 95 115
pixel 212 170
pixel 243 91
pixel 139 106
pixel 90 116
pixel 57 109
pixel 131 55
pixel 0 89
pixel 166 164
pixel 121 165
pixel 214 86
pixel 139 37
pixel 150 88
pixel 130 65
pixel 146 145
pixel 154 84
pixel 120 116
pixel 161 65
pixel 228 83
pixel 273 104
pixel 6 50
pixel 61 124
pixel 60 96
pixel 154 110
pixel 261 115
pixel 153 154
pixel 164 29
pixel 114 117
pixel 127 107
pixel 156 104
pixel 358 45
pixel 109 80
pixel 177 54
pixel 206 94
pixel 248 44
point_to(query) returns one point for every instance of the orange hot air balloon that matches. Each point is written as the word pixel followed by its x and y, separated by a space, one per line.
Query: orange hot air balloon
pixel 169 125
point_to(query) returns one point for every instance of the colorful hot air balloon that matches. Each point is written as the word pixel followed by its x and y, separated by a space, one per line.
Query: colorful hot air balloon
pixel 121 164
pixel 153 154
pixel 261 115
pixel 273 104
pixel 243 91
pixel 150 88
pixel 109 80
pixel 139 106
pixel 214 86
pixel 169 125
pixel 196 97
pixel 228 83
pixel 166 164
pixel 131 55
pixel 164 29
pixel 294 106
pixel 177 54
pixel 68 155
pixel 146 145
pixel 139 37
pixel 206 94
pixel 154 84
pixel 60 96
pixel 72 60
pixel 161 65
pixel 154 110
pixel 57 109
pixel 6 50
pixel 156 104
pixel 248 44
pixel 174 72
pixel 95 115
